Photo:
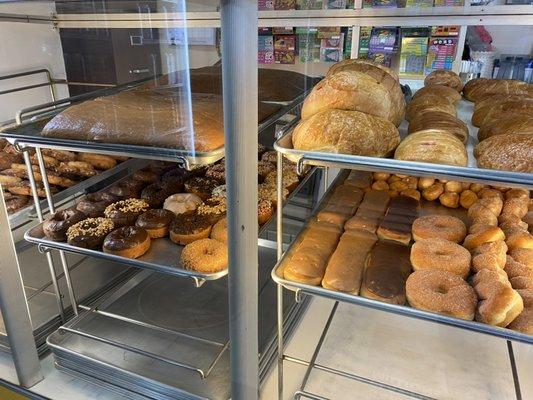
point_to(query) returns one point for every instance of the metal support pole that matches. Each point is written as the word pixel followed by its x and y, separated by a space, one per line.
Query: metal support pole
pixel 239 73
pixel 279 236
pixel 14 307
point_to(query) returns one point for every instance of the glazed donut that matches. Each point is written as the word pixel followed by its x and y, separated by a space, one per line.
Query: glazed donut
pixel 484 235
pixel 24 189
pixel 60 155
pixel 94 204
pixel 439 226
pixel 270 156
pixel 265 211
pixel 213 209
pixel 182 203
pixel 98 161
pixel 177 176
pixel 440 254
pixel 145 176
pixel 290 179
pixel 217 172
pixel 205 255
pixel 125 212
pixel 56 226
pixel 155 194
pixel 517 206
pixel 517 193
pixel 220 231
pixel 15 203
pixel 269 192
pixel 7 159
pixel 155 222
pixel 187 228
pixel 89 233
pixel 77 168
pixel 128 241
pixel 264 168
pixel 441 292
pixel 201 187
pixel 9 180
pixel 499 304
pixel 491 255
pixel 127 189
pixel 519 238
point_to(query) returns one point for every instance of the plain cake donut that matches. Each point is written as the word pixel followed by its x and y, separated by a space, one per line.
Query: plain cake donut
pixel 439 226
pixel 441 292
pixel 440 254
pixel 205 255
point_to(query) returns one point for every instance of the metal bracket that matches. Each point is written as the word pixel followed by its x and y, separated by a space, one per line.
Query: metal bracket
pixel 198 282
pixel 17 147
pixel 300 166
pixel 43 249
pixel 299 296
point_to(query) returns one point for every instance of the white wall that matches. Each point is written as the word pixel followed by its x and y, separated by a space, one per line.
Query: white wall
pixel 512 39
pixel 24 47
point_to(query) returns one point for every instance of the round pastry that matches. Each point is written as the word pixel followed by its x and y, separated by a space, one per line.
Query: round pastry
pixel 146 176
pixel 15 203
pixel 205 255
pixel 290 179
pixel 89 233
pixel 484 235
pixel 155 222
pixel 439 226
pixel 98 161
pixel 7 159
pixel 467 198
pixel 125 212
pixel 187 228
pixel 177 176
pixel 514 193
pixel 93 205
pixel 49 162
pixel 519 239
pixel 425 182
pixel 441 292
pixel 127 189
pixel 449 199
pixel 56 226
pixel 220 231
pixel 182 203
pixel 128 241
pixel 269 192
pixel 24 189
pixel 440 254
pixel 445 78
pixel 265 211
pixel 433 192
pixel 491 255
pixel 202 187
pixel 155 194
pixel 60 155
pixel 219 191
pixel 432 146
pixel 76 168
pixel 264 168
pixel 381 176
pixel 270 156
pixel 217 172
pixel 213 209
pixel 6 179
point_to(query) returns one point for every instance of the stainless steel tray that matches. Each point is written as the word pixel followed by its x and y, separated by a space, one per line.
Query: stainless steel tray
pixel 301 289
pixel 469 173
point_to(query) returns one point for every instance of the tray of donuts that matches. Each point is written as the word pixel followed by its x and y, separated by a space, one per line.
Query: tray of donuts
pixel 162 217
pixel 65 169
pixel 466 264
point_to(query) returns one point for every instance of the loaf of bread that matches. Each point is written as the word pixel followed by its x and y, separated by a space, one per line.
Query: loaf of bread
pixel 381 74
pixel 445 78
pixel 478 89
pixel 387 270
pixel 345 267
pixel 441 121
pixel 482 107
pixel 429 102
pixel 346 132
pixel 341 205
pixel 433 146
pixel 354 91
pixel 309 260
pixel 507 125
pixel 398 221
pixel 510 152
pixel 370 212
pixel 452 95
pixel 498 109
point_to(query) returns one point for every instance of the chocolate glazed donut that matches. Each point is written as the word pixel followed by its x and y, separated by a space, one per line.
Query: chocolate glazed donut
pixel 128 241
pixel 56 226
pixel 94 204
pixel 127 189
pixel 156 222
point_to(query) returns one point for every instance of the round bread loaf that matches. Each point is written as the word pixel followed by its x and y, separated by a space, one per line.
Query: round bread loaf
pixel 445 78
pixel 507 125
pixel 510 152
pixel 493 113
pixel 447 92
pixel 442 121
pixel 429 102
pixel 481 88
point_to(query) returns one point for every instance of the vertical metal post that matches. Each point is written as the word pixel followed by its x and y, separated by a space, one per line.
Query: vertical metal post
pixel 279 236
pixel 14 308
pixel 239 73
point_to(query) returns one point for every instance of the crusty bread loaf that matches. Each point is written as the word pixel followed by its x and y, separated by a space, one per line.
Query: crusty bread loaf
pixel 447 92
pixel 510 152
pixel 483 106
pixel 439 120
pixel 345 267
pixel 445 78
pixel 355 91
pixel 346 132
pixel 381 74
pixel 501 108
pixel 433 146
pixel 506 125
pixel 429 102
pixel 478 89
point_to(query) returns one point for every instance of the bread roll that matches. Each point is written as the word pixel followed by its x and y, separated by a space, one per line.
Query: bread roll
pixel 510 152
pixel 429 102
pixel 445 78
pixel 446 92
pixel 381 74
pixel 346 132
pixel 355 91
pixel 506 125
pixel 432 146
pixel 499 109
pixel 442 121
pixel 478 89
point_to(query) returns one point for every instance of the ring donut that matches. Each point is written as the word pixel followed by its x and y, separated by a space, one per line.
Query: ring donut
pixel 205 255
pixel 98 161
pixel 440 254
pixel 439 226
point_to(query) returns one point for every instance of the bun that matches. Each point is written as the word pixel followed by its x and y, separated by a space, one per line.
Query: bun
pixel 439 120
pixel 429 102
pixel 439 90
pixel 507 124
pixel 510 152
pixel 445 78
pixel 347 132
pixel 432 146
pixel 479 89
